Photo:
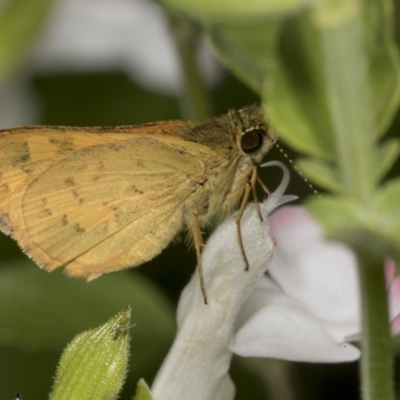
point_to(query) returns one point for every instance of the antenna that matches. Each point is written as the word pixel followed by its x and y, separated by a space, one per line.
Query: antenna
pixel 278 146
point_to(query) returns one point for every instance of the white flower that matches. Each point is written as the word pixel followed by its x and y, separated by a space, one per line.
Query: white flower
pixel 308 308
pixel 310 302
pixel 197 365
pixel 126 35
pixel 130 36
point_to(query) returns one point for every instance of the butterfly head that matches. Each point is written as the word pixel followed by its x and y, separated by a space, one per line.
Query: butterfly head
pixel 254 137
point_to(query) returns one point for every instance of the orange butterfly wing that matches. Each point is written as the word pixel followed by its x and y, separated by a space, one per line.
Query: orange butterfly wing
pixel 97 200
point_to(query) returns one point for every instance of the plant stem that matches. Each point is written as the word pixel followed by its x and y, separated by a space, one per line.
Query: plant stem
pixel 377 360
pixel 194 103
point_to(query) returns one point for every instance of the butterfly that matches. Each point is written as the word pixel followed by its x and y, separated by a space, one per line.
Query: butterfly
pixel 103 199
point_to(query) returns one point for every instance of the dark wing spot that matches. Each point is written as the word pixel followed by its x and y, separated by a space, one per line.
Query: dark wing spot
pixel 23 154
pixel 24 158
pixel 79 229
pixel 70 181
pixel 117 146
pixel 136 190
pixel 81 167
pixel 64 220
pixel 63 145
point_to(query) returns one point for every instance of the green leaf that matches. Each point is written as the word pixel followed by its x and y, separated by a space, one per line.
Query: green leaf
pixel 320 172
pixel 238 9
pixel 20 21
pixel 387 210
pixel 386 156
pixel 244 48
pixel 325 174
pixel 384 62
pixel 329 75
pixel 334 213
pixel 331 53
pixel 94 364
pixel 325 87
pixel 295 89
pixel 374 226
pixel 142 391
pixel 42 311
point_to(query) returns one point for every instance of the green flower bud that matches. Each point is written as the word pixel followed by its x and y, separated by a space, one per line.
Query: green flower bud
pixel 94 364
pixel 142 391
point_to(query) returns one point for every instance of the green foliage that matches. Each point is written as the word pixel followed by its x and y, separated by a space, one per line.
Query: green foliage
pixel 20 21
pixel 94 364
pixel 142 391
pixel 29 320
pixel 328 74
pixel 238 10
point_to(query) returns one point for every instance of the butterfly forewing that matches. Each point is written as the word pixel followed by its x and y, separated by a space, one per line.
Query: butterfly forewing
pixel 24 151
pixel 84 206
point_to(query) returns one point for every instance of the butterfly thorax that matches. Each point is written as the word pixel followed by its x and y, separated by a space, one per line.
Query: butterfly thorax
pixel 228 167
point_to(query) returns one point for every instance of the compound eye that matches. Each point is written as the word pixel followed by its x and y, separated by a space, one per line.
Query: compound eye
pixel 251 141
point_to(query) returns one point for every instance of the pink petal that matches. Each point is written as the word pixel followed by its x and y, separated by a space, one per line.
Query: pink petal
pixel 294 225
pixel 390 268
pixel 395 326
pixel 394 298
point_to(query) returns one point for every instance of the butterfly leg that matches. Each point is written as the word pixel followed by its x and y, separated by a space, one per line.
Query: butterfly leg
pixel 250 187
pixel 198 245
pixel 262 184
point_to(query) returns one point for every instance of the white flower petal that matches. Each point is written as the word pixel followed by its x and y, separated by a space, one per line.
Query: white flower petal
pixel 128 35
pixel 260 297
pixel 197 365
pixel 285 330
pixel 277 198
pixel 17 102
pixel 320 274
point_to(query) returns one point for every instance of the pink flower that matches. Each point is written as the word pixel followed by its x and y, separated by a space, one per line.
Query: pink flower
pixel 393 285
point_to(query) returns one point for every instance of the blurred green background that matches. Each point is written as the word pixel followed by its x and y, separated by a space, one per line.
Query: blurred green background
pixel 40 312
